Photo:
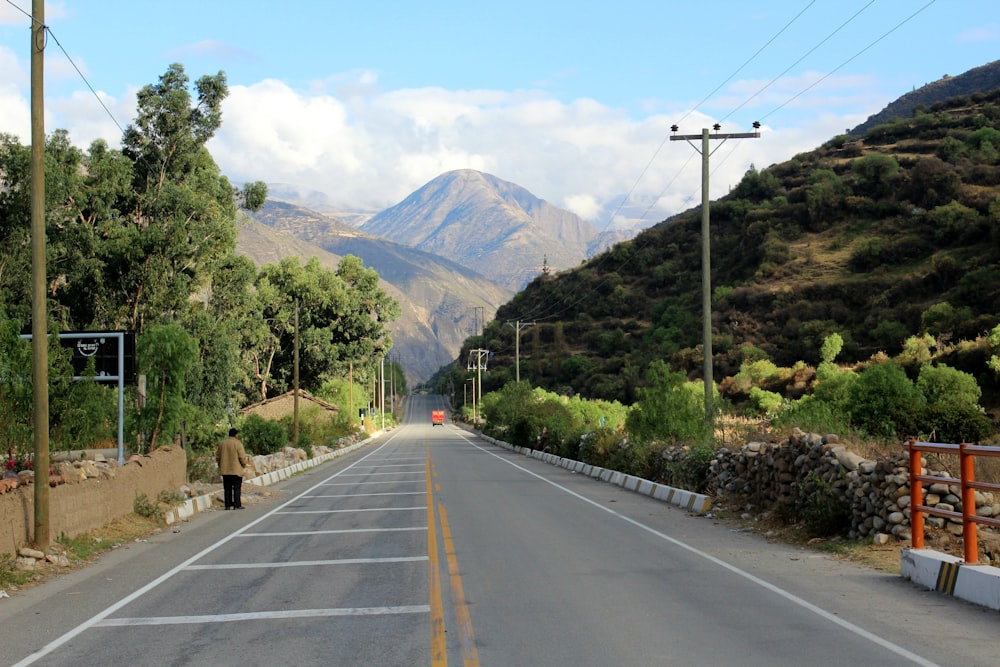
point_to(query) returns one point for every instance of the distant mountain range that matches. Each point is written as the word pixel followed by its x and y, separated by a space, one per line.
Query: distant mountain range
pixel 499 229
pixel 451 253
pixel 441 302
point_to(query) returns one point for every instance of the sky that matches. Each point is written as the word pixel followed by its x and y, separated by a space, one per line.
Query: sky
pixel 361 103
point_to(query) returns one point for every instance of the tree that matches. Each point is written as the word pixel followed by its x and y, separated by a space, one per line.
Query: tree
pixel 166 353
pixel 144 226
pixel 341 315
pixel 876 174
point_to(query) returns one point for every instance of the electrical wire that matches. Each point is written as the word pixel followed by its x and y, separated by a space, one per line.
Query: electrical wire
pixel 48 31
pixel 550 311
pixel 841 65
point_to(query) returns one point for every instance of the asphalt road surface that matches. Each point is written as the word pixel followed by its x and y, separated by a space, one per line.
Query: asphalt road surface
pixel 430 546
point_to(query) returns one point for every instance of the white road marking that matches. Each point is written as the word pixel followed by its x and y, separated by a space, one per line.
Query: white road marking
pixel 263 615
pixel 791 597
pixel 308 563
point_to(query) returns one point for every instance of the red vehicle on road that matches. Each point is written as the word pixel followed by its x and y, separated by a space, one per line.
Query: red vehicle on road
pixel 437 417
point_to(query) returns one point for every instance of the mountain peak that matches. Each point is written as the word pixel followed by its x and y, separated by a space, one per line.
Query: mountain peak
pixel 488 224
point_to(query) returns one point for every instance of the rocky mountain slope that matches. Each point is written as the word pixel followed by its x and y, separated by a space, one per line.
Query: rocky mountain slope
pixel 494 227
pixel 440 301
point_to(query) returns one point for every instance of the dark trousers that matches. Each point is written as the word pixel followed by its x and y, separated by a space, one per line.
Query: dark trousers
pixel 231 490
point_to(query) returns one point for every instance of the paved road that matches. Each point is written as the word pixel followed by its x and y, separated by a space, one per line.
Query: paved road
pixel 431 547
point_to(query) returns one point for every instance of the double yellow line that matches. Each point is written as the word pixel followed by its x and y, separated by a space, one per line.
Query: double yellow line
pixel 439 649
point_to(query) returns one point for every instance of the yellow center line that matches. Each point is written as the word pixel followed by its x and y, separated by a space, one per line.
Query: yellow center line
pixel 470 656
pixel 439 649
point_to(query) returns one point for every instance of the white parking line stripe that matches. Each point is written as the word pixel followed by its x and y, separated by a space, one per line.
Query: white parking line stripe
pixel 366 509
pixel 309 563
pixel 400 472
pixel 293 533
pixel 264 615
pixel 359 495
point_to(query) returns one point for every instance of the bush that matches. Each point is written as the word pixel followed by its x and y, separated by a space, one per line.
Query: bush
pixel 824 511
pixel 884 402
pixel 262 436
pixel 144 507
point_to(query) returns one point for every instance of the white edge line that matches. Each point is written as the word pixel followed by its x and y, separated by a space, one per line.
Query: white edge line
pixel 791 597
pixel 94 620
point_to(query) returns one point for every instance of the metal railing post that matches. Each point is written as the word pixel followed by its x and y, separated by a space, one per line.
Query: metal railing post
pixel 916 496
pixel 967 462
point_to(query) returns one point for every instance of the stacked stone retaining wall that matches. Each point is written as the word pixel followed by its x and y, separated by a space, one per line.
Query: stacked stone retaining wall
pixel 786 477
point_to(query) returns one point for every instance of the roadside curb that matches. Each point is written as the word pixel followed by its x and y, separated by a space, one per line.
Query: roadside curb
pixel 947 574
pixel 693 502
pixel 192 506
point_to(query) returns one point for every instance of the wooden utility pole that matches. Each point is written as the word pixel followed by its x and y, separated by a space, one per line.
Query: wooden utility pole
pixel 295 381
pixel 39 310
pixel 706 257
pixel 517 347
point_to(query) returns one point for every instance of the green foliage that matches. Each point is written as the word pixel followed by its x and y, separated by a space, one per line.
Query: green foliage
pixel 667 410
pixel 765 402
pixel 876 174
pixel 145 507
pixel 166 353
pixel 824 511
pixel 262 436
pixel 883 401
pixel 952 411
pixel 832 345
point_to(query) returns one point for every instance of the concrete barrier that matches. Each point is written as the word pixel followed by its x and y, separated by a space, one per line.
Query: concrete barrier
pixel 693 502
pixel 947 574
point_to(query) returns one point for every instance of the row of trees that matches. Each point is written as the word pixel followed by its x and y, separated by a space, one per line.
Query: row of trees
pixel 144 239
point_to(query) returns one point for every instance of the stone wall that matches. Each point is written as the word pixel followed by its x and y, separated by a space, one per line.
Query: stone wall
pixel 89 494
pixel 786 477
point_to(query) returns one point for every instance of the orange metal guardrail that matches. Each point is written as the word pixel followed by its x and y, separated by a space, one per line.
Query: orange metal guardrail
pixel 966 455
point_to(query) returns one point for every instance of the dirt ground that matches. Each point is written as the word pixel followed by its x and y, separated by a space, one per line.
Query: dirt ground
pixel 885 558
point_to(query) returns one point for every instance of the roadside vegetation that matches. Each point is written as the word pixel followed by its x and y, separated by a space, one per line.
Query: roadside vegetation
pixel 143 239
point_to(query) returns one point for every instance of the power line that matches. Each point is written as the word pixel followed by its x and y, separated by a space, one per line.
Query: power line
pixel 48 31
pixel 838 67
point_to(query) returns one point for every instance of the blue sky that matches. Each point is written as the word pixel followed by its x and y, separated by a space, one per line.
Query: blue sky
pixel 366 101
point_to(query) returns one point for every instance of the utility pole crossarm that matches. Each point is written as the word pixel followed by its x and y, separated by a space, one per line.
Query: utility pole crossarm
pixel 730 135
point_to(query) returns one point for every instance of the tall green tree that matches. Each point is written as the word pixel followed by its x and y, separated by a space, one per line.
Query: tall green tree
pixel 341 320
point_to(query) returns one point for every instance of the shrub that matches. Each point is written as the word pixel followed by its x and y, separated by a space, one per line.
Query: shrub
pixel 668 410
pixel 262 436
pixel 144 507
pixel 884 402
pixel 824 511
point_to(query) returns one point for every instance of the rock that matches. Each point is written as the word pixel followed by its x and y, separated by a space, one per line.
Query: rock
pixel 25 563
pixel 849 460
pixel 28 552
pixel 880 539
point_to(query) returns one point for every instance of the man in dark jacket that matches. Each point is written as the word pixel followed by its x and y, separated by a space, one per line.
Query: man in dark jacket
pixel 231 457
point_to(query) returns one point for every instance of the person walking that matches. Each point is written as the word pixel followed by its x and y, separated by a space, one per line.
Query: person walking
pixel 231 458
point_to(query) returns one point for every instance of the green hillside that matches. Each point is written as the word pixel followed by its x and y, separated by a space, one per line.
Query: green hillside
pixel 876 238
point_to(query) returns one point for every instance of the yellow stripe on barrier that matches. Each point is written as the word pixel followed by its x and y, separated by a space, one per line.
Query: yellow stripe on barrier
pixel 947 578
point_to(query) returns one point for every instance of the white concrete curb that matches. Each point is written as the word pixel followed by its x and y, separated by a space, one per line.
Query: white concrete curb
pixel 944 573
pixel 192 506
pixel 693 502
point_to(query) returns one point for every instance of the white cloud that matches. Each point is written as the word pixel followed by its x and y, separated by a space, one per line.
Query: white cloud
pixel 367 149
